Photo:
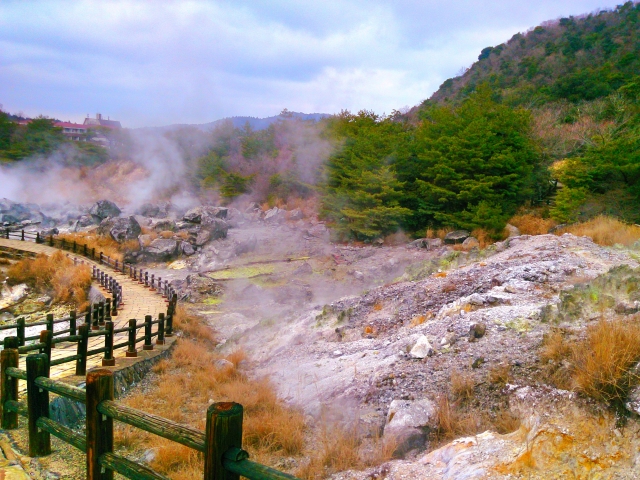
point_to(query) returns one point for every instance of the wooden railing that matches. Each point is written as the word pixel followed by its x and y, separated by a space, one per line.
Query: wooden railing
pixel 221 442
pixel 137 274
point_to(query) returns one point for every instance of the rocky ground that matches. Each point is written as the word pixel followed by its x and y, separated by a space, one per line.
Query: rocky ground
pixel 375 334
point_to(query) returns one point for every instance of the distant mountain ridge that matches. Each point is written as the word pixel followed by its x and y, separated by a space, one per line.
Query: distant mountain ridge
pixel 240 121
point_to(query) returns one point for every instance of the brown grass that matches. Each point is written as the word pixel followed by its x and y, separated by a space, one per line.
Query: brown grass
pixel 55 274
pixel 603 361
pixel 166 234
pixel 531 224
pixel 191 326
pixel 500 374
pixel 452 421
pixel 462 385
pixel 342 447
pixel 107 245
pixel 189 382
pixel 605 231
pixel 506 421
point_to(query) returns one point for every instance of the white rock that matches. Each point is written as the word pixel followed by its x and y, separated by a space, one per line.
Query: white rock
pixel 422 348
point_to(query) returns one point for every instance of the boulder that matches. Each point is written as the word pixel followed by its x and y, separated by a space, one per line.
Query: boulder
pixel 199 214
pixel 422 348
pixel 83 222
pixel 163 224
pixel 197 288
pixel 408 423
pixel 477 330
pixel 148 210
pixel 455 237
pixel 633 401
pixel 216 227
pixel 161 249
pixel 426 243
pixel 512 230
pixel 296 214
pixel 471 242
pixel 203 237
pixel 121 229
pixel 103 209
pixel 145 240
pixel 275 215
pixel 187 249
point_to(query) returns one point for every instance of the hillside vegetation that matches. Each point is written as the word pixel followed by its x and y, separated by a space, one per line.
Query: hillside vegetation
pixel 548 122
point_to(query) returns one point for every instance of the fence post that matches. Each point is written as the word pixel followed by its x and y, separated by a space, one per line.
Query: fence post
pixel 224 431
pixel 108 360
pixel 72 322
pixel 131 348
pixel 147 333
pixel 7 233
pixel 74 246
pixel 99 428
pixel 96 315
pixel 85 249
pixel 107 307
pixel 22 235
pixel 46 336
pixel 83 346
pixel 101 313
pixel 93 253
pixel 146 279
pixel 160 339
pixel 50 322
pixel 169 328
pixel 51 240
pixel 38 405
pixel 20 331
pixel 9 385
pixel 37 237
pixel 101 255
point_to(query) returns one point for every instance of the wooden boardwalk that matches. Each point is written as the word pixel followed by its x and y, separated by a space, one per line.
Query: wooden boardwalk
pixel 138 302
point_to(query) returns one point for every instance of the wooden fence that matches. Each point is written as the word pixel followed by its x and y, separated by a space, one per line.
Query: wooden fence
pixel 220 443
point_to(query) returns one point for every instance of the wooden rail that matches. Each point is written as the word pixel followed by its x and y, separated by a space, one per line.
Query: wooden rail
pixel 137 274
pixel 221 442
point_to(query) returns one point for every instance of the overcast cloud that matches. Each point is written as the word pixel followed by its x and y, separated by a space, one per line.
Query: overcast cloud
pixel 162 62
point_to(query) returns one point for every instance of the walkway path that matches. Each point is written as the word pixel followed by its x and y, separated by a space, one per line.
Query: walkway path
pixel 138 302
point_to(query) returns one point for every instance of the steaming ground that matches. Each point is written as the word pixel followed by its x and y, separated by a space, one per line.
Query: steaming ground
pixel 375 334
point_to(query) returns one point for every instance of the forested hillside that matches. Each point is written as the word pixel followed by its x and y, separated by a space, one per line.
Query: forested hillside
pixel 548 122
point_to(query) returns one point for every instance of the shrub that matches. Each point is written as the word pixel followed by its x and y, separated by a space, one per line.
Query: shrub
pixel 605 231
pixel 107 245
pixel 530 224
pixel 603 361
pixel 55 274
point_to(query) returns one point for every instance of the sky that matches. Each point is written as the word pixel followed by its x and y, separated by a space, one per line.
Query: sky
pixel 152 63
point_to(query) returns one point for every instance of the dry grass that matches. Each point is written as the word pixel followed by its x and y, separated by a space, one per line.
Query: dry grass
pixel 604 360
pixel 55 274
pixel 191 326
pixel 462 385
pixel 605 231
pixel 166 234
pixel 506 421
pixel 342 447
pixel 453 421
pixel 107 245
pixel 531 224
pixel 500 374
pixel 193 379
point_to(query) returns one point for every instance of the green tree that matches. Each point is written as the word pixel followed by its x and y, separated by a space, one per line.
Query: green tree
pixel 361 196
pixel 469 166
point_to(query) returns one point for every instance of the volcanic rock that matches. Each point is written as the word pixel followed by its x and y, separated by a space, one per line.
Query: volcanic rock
pixel 161 249
pixel 103 209
pixel 455 237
